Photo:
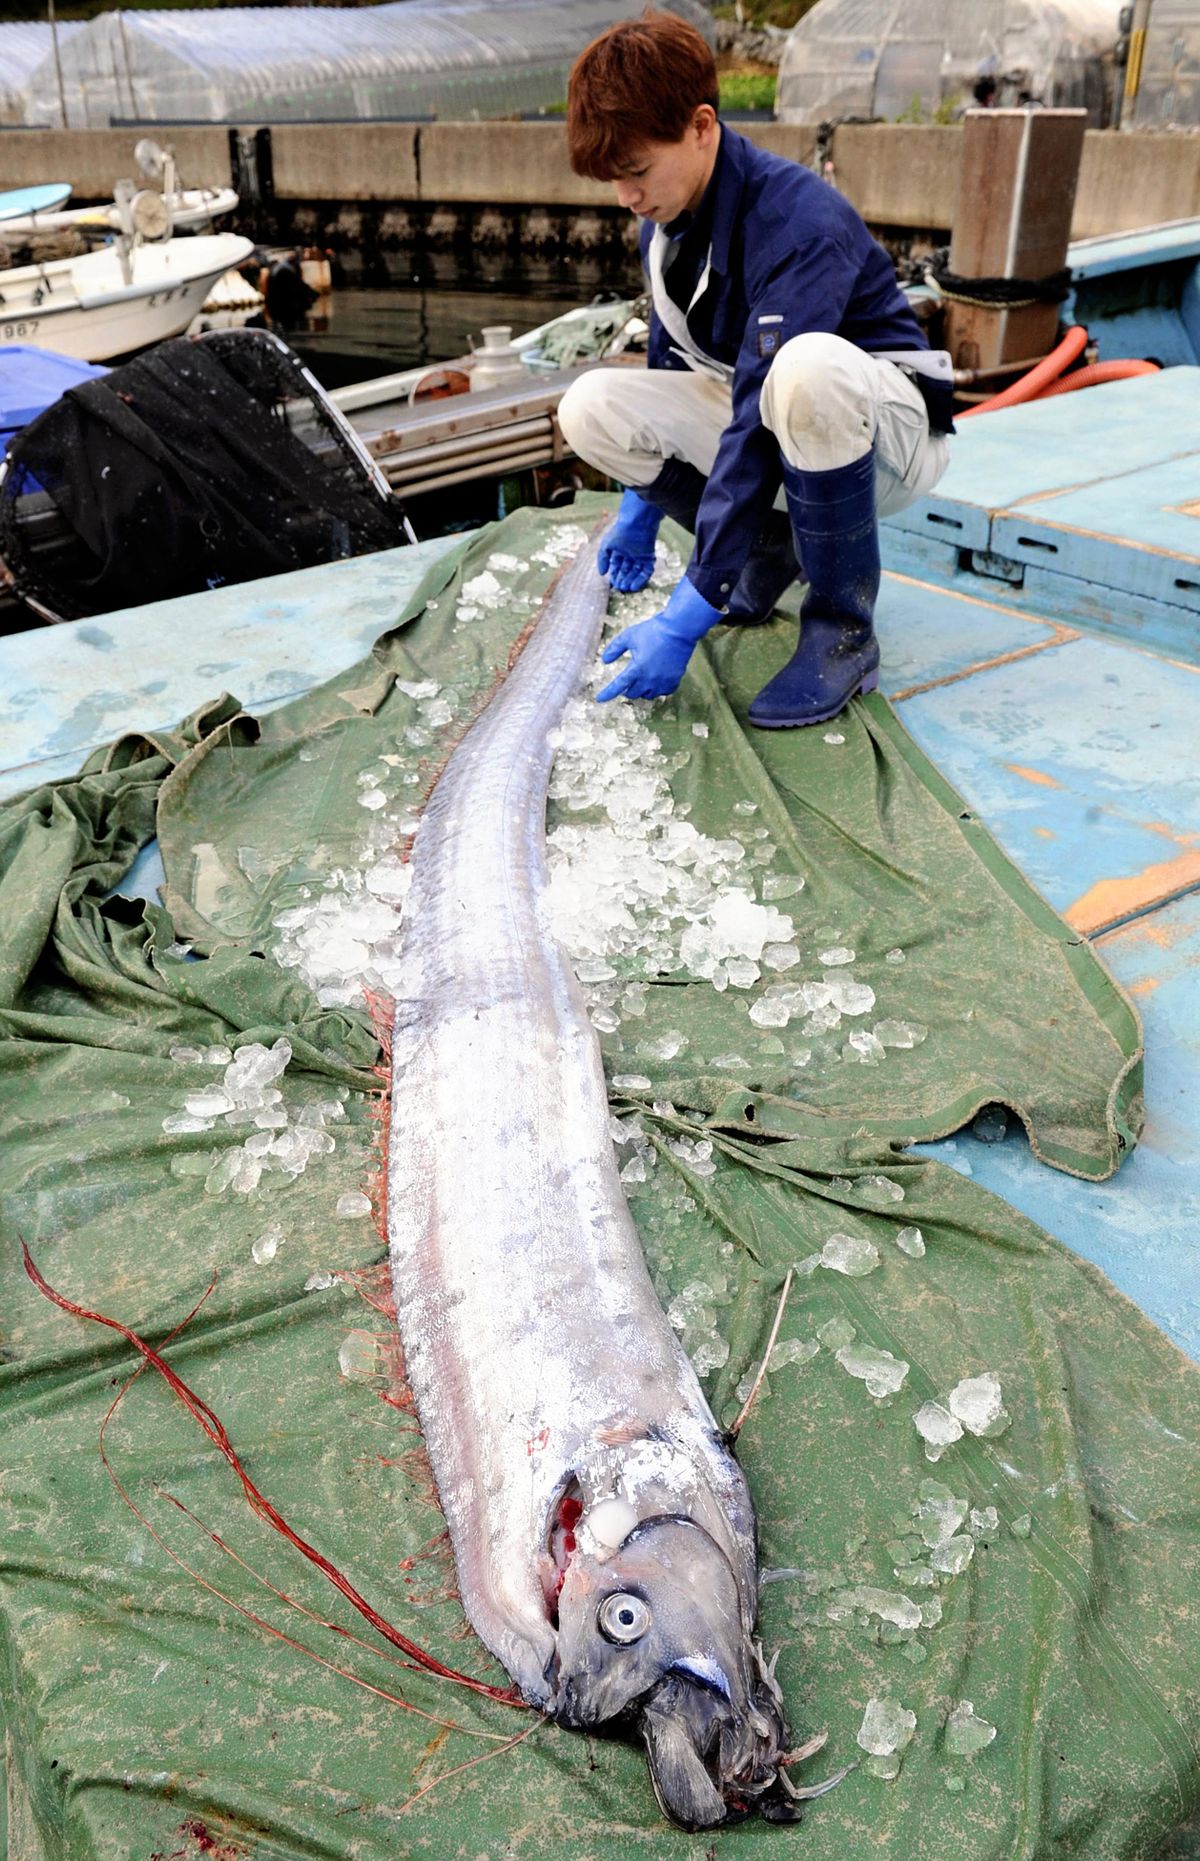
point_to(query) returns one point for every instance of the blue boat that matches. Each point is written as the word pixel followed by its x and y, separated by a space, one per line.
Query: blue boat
pixel 20 201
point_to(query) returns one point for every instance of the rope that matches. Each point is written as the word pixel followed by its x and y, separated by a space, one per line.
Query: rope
pixel 999 293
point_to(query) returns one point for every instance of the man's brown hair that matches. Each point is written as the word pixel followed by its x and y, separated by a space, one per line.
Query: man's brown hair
pixel 641 81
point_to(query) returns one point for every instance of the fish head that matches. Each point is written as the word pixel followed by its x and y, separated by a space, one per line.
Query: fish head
pixel 657 1630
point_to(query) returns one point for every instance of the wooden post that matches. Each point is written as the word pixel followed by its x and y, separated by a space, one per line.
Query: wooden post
pixel 1013 220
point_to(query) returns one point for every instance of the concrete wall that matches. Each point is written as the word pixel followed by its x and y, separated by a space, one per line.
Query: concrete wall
pixel 352 161
pixel 897 175
pixel 506 164
pixel 1134 180
pixel 93 160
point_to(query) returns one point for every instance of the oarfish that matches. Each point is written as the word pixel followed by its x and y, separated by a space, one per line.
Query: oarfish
pixel 603 1534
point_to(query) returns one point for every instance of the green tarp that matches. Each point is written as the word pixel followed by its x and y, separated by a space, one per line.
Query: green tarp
pixel 151 1711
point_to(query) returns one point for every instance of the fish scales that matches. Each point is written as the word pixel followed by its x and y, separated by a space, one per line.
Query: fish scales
pixel 542 1365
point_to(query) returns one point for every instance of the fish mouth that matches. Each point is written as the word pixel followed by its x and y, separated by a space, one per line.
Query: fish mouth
pixel 709 1764
pixel 712 1765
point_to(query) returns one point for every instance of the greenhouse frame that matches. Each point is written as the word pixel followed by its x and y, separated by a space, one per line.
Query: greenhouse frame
pixel 411 59
pixel 918 60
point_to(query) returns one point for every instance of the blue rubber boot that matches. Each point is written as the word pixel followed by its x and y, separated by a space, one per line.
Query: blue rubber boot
pixel 837 539
pixel 772 567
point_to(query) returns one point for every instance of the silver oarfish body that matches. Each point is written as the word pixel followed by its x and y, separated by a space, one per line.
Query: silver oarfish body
pixel 603 1534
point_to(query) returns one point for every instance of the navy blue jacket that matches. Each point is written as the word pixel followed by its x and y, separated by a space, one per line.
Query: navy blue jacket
pixel 785 245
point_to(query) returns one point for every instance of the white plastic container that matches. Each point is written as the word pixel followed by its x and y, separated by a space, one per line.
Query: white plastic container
pixel 498 361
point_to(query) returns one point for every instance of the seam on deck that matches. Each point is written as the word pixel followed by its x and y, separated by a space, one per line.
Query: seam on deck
pixel 1144 911
pixel 1063 636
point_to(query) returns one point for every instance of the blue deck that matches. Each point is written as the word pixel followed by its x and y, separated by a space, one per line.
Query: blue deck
pixel 1084 509
pixel 1138 293
pixel 1072 733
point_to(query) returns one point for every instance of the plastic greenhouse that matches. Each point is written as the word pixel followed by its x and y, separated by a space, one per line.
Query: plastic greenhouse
pixel 414 58
pixel 1170 88
pixel 916 59
pixel 24 45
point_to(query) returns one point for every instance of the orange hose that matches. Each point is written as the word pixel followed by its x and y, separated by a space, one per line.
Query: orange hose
pixel 1039 378
pixel 1099 371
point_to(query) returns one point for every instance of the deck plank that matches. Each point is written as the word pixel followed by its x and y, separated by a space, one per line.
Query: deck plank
pixel 65 691
pixel 1081 760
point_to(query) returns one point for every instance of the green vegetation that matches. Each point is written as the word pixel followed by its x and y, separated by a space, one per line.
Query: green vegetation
pixel 747 90
pixel 915 112
pixel 766 12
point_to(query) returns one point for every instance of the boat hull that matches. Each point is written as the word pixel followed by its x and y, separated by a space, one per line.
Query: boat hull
pixel 92 315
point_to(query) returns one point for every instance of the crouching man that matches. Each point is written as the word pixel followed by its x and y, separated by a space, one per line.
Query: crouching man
pixel 790 397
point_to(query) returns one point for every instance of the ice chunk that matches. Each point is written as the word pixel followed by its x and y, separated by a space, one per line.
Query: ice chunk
pixel 887 1727
pixel 878 1189
pixel 745 807
pixel 185 1055
pixel 910 1241
pixel 836 1333
pixel 834 958
pixel 966 1732
pixel 977 1403
pixel 667 1047
pixel 937 1428
pixel 779 956
pixel 938 1513
pixel 850 1254
pixel 769 1011
pixel 894 956
pixel 901 1034
pixel 268 1244
pixel 984 1520
pixel 710 1353
pixel 863 1048
pixel 631 1082
pixel 249 1170
pixel 224 1170
pixel 850 997
pixel 699 730
pixel 692 1306
pixel 781 885
pixel 741 971
pixel 358 1355
pixel 882 1373
pixel 635 1170
pixel 320 1282
pixel 794 1350
pixel 833 736
pixel 952 1557
pixel 353 1205
pixel 889 1605
pixel 180 1123
pixel 594 969
pixel 208 1102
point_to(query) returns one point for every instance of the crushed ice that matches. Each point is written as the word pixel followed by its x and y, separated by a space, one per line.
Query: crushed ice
pixel 279 1145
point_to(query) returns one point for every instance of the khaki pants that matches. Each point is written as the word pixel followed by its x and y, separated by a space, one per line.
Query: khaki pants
pixel 825 400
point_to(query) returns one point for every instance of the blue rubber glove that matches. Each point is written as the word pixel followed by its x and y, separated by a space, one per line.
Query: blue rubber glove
pixel 659 648
pixel 626 553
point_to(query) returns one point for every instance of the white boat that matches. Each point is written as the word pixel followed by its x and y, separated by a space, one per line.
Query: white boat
pixel 188 207
pixel 115 300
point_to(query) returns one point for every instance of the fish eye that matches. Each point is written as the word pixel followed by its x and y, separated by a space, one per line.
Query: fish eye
pixel 622 1618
